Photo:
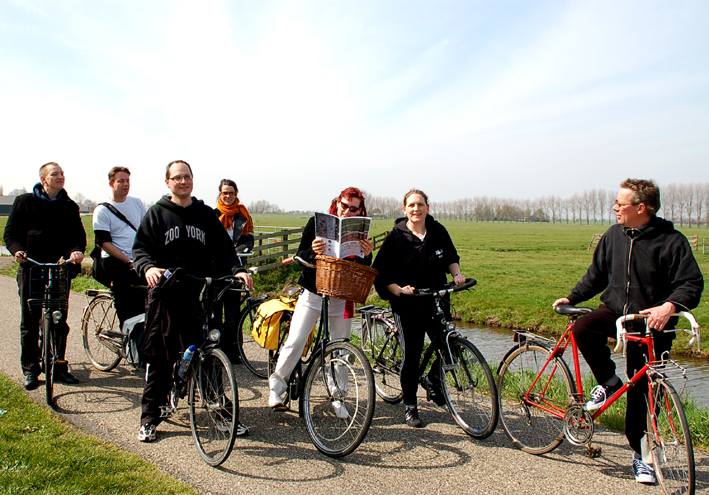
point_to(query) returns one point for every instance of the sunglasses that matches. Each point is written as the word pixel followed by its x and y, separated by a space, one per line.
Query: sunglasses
pixel 353 209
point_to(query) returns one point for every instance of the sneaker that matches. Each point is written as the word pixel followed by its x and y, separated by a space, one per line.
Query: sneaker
pixel 433 391
pixel 275 402
pixel 147 433
pixel 600 394
pixel 340 409
pixel 412 417
pixel 643 473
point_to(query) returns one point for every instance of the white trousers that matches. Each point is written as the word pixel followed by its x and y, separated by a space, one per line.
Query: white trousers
pixel 306 314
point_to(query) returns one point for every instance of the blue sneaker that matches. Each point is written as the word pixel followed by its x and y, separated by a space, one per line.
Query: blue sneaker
pixel 643 473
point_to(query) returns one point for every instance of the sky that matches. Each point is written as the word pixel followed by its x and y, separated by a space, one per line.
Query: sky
pixel 297 100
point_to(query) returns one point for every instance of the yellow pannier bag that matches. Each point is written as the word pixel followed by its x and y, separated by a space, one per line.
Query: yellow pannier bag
pixel 267 323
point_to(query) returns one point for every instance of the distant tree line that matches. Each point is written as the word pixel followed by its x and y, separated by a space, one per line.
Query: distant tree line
pixel 684 204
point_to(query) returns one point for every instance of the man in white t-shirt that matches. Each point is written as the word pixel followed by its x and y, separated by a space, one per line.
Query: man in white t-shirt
pixel 115 236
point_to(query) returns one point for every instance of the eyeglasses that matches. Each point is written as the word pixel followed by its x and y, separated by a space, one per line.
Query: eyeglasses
pixel 353 209
pixel 622 205
pixel 228 194
pixel 181 178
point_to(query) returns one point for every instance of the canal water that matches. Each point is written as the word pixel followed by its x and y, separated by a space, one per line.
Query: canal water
pixel 495 342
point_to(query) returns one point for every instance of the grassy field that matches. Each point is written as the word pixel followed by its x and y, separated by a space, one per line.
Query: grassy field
pixel 521 268
pixel 40 453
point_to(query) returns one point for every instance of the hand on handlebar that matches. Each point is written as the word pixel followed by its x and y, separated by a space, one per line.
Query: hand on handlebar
pixel 659 315
pixel 76 257
pixel 459 279
pixel 397 290
pixel 246 278
pixel 21 257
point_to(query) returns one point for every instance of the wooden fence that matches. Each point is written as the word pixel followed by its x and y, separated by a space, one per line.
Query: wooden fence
pixel 594 241
pixel 273 244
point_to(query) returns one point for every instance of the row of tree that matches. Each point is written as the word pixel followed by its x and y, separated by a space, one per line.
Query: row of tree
pixel 684 204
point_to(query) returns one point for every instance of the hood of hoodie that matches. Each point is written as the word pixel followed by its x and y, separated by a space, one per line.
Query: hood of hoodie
pixel 39 191
pixel 195 205
pixel 400 224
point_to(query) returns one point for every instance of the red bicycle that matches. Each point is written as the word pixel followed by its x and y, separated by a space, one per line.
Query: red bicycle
pixel 541 402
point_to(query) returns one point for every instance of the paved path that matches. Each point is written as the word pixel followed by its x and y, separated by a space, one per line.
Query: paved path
pixel 277 456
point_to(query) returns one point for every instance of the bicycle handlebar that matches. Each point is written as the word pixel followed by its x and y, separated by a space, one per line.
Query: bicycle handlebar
pixel 621 332
pixel 59 263
pixel 447 289
pixel 298 259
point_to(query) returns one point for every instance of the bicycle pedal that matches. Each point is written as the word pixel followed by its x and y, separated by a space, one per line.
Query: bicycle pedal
pixel 593 452
pixel 166 412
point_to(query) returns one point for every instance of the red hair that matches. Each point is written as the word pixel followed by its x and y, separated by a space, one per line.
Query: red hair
pixel 350 192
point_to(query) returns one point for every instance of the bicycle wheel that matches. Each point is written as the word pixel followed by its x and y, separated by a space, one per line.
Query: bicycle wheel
pixel 338 399
pixel 254 357
pixel 101 333
pixel 671 441
pixel 385 357
pixel 469 389
pixel 533 397
pixel 48 355
pixel 214 406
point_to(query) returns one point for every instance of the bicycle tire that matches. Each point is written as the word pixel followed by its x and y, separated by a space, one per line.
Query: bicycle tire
pixel 469 388
pixel 531 428
pixel 214 406
pixel 385 357
pixel 253 356
pixel 48 356
pixel 352 386
pixel 671 441
pixel 101 333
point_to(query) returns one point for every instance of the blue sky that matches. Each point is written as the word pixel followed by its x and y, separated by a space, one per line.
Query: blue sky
pixel 298 100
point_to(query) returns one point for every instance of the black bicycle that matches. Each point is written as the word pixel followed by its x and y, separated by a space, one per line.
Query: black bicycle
pixel 467 382
pixel 208 382
pixel 335 393
pixel 49 291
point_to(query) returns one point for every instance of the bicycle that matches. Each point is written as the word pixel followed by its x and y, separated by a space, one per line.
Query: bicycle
pixel 336 371
pixel 49 290
pixel 208 381
pixel 541 403
pixel 468 385
pixel 104 342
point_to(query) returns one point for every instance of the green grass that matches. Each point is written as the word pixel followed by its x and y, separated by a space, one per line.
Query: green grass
pixel 40 453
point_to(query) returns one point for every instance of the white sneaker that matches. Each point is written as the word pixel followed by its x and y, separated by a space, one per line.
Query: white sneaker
pixel 340 409
pixel 643 473
pixel 147 433
pixel 274 400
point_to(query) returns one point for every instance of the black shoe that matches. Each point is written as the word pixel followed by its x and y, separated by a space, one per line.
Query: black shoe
pixel 31 382
pixel 433 391
pixel 412 417
pixel 66 377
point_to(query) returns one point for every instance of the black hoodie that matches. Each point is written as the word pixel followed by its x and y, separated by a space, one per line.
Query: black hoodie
pixel 638 269
pixel 173 236
pixel 404 259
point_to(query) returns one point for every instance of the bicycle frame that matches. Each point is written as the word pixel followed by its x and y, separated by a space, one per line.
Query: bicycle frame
pixel 623 336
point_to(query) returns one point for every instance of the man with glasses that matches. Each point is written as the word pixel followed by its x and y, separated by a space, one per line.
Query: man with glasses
pixel 642 265
pixel 179 231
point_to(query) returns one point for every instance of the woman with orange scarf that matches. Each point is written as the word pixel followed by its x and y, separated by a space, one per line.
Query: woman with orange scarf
pixel 238 224
pixel 234 216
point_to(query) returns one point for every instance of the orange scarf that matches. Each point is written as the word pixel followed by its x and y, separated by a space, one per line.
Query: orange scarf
pixel 228 212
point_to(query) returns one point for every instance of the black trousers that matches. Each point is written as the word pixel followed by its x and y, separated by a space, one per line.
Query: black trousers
pixel 30 318
pixel 415 318
pixel 591 333
pixel 130 301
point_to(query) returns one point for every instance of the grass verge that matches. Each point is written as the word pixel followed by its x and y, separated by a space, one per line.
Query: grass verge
pixel 41 453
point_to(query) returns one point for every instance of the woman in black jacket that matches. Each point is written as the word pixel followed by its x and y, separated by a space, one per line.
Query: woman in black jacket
pixel 417 254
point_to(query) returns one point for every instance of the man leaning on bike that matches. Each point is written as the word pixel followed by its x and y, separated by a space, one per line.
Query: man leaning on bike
pixel 179 231
pixel 642 265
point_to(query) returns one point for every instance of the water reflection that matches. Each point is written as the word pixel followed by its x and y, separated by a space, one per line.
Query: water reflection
pixel 495 342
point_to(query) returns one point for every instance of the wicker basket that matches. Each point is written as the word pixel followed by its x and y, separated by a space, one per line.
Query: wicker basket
pixel 343 279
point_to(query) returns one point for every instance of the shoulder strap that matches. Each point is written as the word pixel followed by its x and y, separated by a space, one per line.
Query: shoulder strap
pixel 119 214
